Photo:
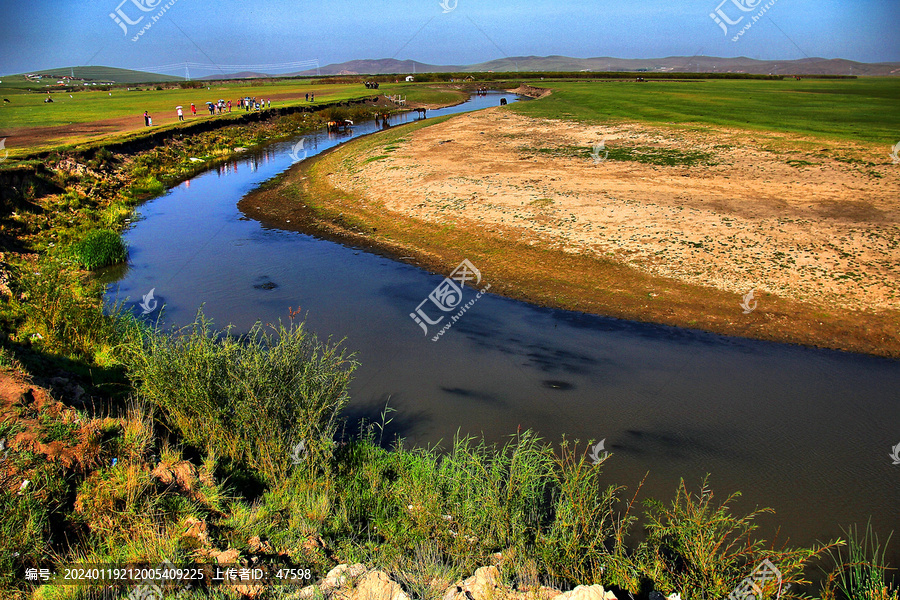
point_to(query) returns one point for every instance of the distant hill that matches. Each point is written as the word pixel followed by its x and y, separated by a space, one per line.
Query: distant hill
pixel 107 74
pixel 688 64
pixel 241 75
pixel 384 65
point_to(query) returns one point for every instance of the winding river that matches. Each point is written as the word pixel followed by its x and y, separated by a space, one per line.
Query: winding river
pixel 807 432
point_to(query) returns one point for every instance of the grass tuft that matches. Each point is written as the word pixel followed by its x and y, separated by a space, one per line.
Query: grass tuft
pixel 100 248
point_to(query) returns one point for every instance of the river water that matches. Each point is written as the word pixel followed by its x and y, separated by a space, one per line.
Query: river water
pixel 807 432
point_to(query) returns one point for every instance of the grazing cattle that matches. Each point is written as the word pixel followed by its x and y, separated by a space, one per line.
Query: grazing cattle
pixel 502 101
pixel 421 112
pixel 6 100
pixel 339 124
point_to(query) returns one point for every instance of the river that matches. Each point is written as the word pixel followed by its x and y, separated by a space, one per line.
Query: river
pixel 807 432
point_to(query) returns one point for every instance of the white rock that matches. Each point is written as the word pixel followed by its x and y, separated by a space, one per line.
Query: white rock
pixel 587 592
pixel 339 575
pixel 376 585
pixel 483 585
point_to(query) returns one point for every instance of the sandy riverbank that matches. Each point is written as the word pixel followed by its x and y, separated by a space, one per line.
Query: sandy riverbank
pixel 814 234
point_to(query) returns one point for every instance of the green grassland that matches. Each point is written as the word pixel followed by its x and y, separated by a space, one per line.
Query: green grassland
pixel 862 109
pixel 28 109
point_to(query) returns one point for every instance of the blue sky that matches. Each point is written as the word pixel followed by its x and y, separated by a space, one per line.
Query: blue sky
pixel 42 34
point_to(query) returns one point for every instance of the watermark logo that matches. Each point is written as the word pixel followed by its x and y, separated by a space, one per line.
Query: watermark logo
pixel 149 304
pixel 896 454
pixel 598 148
pixel 749 304
pixel 123 19
pixel 6 152
pixel 895 155
pixel 736 7
pixel 595 455
pixel 445 4
pixel 751 588
pixel 298 455
pixel 296 155
pixel 448 296
pixel 151 588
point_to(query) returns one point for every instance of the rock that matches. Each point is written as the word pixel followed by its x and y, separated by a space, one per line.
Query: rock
pixel 587 592
pixel 341 574
pixel 225 557
pixel 5 282
pixel 483 585
pixel 258 546
pixel 310 591
pixel 195 528
pixel 376 585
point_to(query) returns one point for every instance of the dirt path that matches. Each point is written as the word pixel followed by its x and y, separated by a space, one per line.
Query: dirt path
pixel 825 233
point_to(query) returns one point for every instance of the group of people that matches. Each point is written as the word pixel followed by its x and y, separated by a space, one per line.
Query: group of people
pixel 255 103
pixel 222 106
pixel 217 108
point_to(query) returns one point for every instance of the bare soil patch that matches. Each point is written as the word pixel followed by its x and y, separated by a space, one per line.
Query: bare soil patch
pixel 827 232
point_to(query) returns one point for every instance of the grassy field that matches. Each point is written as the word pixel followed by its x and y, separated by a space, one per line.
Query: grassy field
pixel 80 116
pixel 863 109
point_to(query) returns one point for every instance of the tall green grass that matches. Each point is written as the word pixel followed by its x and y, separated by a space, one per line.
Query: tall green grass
pixel 53 310
pixel 861 572
pixel 251 399
pixel 100 248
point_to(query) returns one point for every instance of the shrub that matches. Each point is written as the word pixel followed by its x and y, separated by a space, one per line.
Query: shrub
pixel 100 248
pixel 251 399
pixel 699 549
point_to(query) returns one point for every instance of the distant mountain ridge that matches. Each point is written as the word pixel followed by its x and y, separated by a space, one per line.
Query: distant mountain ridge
pixel 683 64
pixel 679 64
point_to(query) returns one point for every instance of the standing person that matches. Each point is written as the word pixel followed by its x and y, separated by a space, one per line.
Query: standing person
pixel 312 97
pixel 146 119
pixel 269 103
pixel 229 106
pixel 193 109
pixel 307 96
pixel 180 113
